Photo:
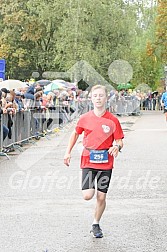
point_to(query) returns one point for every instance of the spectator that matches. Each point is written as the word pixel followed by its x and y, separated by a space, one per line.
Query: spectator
pixel 154 101
pixel 18 101
pixel 3 111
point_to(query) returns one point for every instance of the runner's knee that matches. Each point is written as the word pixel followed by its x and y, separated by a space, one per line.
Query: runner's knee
pixel 101 197
pixel 88 195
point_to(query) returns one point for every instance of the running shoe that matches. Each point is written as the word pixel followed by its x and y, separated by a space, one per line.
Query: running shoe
pixel 96 230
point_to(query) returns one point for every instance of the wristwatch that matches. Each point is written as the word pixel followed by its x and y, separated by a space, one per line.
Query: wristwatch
pixel 119 147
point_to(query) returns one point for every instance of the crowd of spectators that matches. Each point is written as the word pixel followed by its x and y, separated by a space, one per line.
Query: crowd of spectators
pixel 33 97
pixel 124 102
pixel 132 102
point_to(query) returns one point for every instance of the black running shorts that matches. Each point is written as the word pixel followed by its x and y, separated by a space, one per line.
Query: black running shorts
pixel 89 176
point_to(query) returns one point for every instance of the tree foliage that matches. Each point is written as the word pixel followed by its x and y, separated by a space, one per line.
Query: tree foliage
pixel 161 31
pixel 42 35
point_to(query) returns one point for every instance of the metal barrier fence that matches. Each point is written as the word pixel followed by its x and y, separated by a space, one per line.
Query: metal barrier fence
pixel 33 123
pixel 125 105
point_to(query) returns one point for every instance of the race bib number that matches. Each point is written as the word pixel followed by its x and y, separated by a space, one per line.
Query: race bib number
pixel 98 156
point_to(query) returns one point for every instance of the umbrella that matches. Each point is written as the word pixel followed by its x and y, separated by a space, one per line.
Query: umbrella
pixel 12 84
pixel 43 82
pixel 124 86
pixel 51 87
pixel 71 85
pixel 154 93
pixel 61 83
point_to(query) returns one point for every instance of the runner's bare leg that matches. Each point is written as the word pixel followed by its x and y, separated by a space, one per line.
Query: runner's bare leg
pixel 100 205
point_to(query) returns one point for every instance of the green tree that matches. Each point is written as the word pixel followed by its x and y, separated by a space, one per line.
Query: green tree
pixel 160 45
pixel 42 35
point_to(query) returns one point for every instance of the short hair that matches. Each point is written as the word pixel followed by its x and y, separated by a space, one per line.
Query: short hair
pixel 38 94
pixel 52 95
pixel 5 90
pixel 99 87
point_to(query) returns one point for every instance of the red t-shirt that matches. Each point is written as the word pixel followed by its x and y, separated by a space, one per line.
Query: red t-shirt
pixel 99 134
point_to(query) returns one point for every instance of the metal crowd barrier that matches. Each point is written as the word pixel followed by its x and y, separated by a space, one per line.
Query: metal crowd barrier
pixel 1 138
pixel 126 105
pixel 24 126
pixel 33 123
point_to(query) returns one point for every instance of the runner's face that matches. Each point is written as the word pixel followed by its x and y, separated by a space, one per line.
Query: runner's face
pixel 99 98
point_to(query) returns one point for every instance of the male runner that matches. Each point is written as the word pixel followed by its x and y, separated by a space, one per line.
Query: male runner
pixel 102 142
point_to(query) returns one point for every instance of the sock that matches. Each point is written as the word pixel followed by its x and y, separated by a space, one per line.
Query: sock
pixel 95 222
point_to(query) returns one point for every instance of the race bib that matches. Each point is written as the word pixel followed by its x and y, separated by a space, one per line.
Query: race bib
pixel 98 156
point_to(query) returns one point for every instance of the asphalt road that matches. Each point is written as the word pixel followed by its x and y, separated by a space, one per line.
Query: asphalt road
pixel 41 205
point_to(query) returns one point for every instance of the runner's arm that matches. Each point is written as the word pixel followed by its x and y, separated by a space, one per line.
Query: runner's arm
pixel 73 138
pixel 119 142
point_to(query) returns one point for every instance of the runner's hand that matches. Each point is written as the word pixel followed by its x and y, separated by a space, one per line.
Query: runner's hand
pixel 67 158
pixel 113 151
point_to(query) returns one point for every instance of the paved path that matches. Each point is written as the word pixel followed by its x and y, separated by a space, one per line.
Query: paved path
pixel 41 206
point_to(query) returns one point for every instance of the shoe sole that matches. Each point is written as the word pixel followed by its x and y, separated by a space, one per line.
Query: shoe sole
pixel 97 236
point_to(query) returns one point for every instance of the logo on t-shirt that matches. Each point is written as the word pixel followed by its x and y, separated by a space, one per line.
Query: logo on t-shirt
pixel 106 128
